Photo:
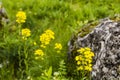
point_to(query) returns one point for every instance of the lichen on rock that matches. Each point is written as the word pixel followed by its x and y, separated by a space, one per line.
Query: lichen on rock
pixel 104 40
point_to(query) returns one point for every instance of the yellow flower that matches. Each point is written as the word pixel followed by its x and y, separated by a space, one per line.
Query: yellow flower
pixel 88 60
pixel 80 68
pixel 46 37
pixel 81 50
pixel 88 68
pixel 58 46
pixel 87 52
pixel 92 54
pixel 90 65
pixel 87 48
pixel 88 56
pixel 77 58
pixel 78 63
pixel 26 32
pixel 39 52
pixel 84 59
pixel 50 33
pixel 21 17
pixel 84 63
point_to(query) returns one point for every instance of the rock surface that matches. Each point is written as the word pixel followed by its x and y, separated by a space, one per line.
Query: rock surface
pixel 3 16
pixel 104 40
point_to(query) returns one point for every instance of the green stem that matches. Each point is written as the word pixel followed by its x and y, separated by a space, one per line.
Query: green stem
pixel 20 61
pixel 19 27
pixel 26 57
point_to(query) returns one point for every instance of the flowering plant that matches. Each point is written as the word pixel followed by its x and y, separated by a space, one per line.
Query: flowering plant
pixel 21 17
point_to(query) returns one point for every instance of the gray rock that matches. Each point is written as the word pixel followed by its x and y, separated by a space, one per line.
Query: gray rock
pixel 104 40
pixel 3 16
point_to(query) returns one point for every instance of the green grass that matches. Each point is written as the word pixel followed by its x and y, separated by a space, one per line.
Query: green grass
pixel 63 17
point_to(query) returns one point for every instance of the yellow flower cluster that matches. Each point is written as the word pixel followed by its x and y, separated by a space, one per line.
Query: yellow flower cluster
pixel 58 46
pixel 84 60
pixel 38 53
pixel 46 37
pixel 21 17
pixel 26 33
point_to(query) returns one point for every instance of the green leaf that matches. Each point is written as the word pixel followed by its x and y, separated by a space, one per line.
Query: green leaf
pixel 49 72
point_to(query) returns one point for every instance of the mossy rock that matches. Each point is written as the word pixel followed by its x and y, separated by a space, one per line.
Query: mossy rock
pixel 87 28
pixel 82 35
